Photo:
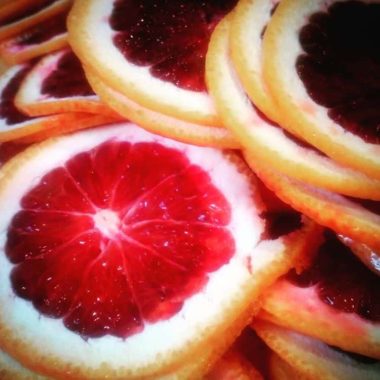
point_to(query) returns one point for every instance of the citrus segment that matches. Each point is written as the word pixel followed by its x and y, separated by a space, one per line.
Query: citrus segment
pixel 154 55
pixel 31 15
pixel 159 123
pixel 164 257
pixel 57 84
pixel 335 298
pixel 314 359
pixel 265 140
pixel 43 38
pixel 307 63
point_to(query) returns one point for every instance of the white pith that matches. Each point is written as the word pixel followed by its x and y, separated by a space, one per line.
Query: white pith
pixel 254 132
pixel 199 312
pixel 357 153
pixel 311 356
pixel 107 222
pixel 98 37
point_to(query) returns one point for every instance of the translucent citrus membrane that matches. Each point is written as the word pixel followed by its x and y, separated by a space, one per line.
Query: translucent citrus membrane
pixel 268 142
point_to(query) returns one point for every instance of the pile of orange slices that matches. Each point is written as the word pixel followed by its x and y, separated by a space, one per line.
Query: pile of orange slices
pixel 189 190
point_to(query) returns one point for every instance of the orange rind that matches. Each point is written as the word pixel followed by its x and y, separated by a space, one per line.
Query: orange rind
pixel 305 116
pixel 265 141
pixel 311 358
pixel 92 39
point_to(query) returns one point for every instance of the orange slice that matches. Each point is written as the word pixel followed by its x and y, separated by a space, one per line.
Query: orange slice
pixel 16 125
pixel 282 370
pixel 43 38
pixel 165 251
pixel 266 142
pixel 351 217
pixel 26 17
pixel 152 54
pixel 314 359
pixel 159 123
pixel 334 300
pixel 316 78
pixel 57 84
pixel 10 7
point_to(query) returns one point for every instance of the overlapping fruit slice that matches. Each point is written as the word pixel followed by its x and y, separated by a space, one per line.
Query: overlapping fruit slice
pixel 57 84
pixel 282 370
pixel 43 38
pixel 153 54
pixel 136 251
pixel 266 141
pixel 312 359
pixel 30 14
pixel 335 300
pixel 14 124
pixel 321 62
pixel 159 123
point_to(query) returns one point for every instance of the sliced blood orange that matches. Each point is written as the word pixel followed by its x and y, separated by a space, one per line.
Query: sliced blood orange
pixel 335 300
pixel 358 219
pixel 136 251
pixel 153 54
pixel 159 123
pixel 282 370
pixel 57 84
pixel 266 141
pixel 323 74
pixel 30 15
pixel 313 359
pixel 40 39
pixel 14 124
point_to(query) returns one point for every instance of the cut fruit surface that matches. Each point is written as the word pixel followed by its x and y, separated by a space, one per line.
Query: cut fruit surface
pixel 161 124
pixel 282 370
pixel 313 359
pixel 57 84
pixel 335 300
pixel 266 141
pixel 152 54
pixel 28 16
pixel 355 218
pixel 47 36
pixel 165 251
pixel 323 96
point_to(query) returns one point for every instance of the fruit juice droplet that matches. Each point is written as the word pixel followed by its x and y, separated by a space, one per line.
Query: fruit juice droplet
pixel 171 37
pixel 340 65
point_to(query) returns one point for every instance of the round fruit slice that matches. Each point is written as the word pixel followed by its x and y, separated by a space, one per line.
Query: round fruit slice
pixel 26 17
pixel 159 123
pixel 57 84
pixel 282 370
pixel 327 89
pixel 267 142
pixel 355 218
pixel 16 125
pixel 335 300
pixel 152 54
pixel 47 36
pixel 136 251
pixel 314 359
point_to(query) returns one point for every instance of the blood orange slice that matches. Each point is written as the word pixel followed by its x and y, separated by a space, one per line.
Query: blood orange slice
pixel 47 36
pixel 58 84
pixel 267 142
pixel 335 300
pixel 355 218
pixel 159 123
pixel 30 15
pixel 313 359
pixel 152 54
pixel 327 89
pixel 149 249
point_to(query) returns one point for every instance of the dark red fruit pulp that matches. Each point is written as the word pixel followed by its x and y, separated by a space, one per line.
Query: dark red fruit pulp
pixel 372 206
pixel 68 79
pixel 280 223
pixel 8 111
pixel 9 150
pixel 342 281
pixel 340 66
pixel 169 36
pixel 171 234
pixel 34 7
pixel 44 31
